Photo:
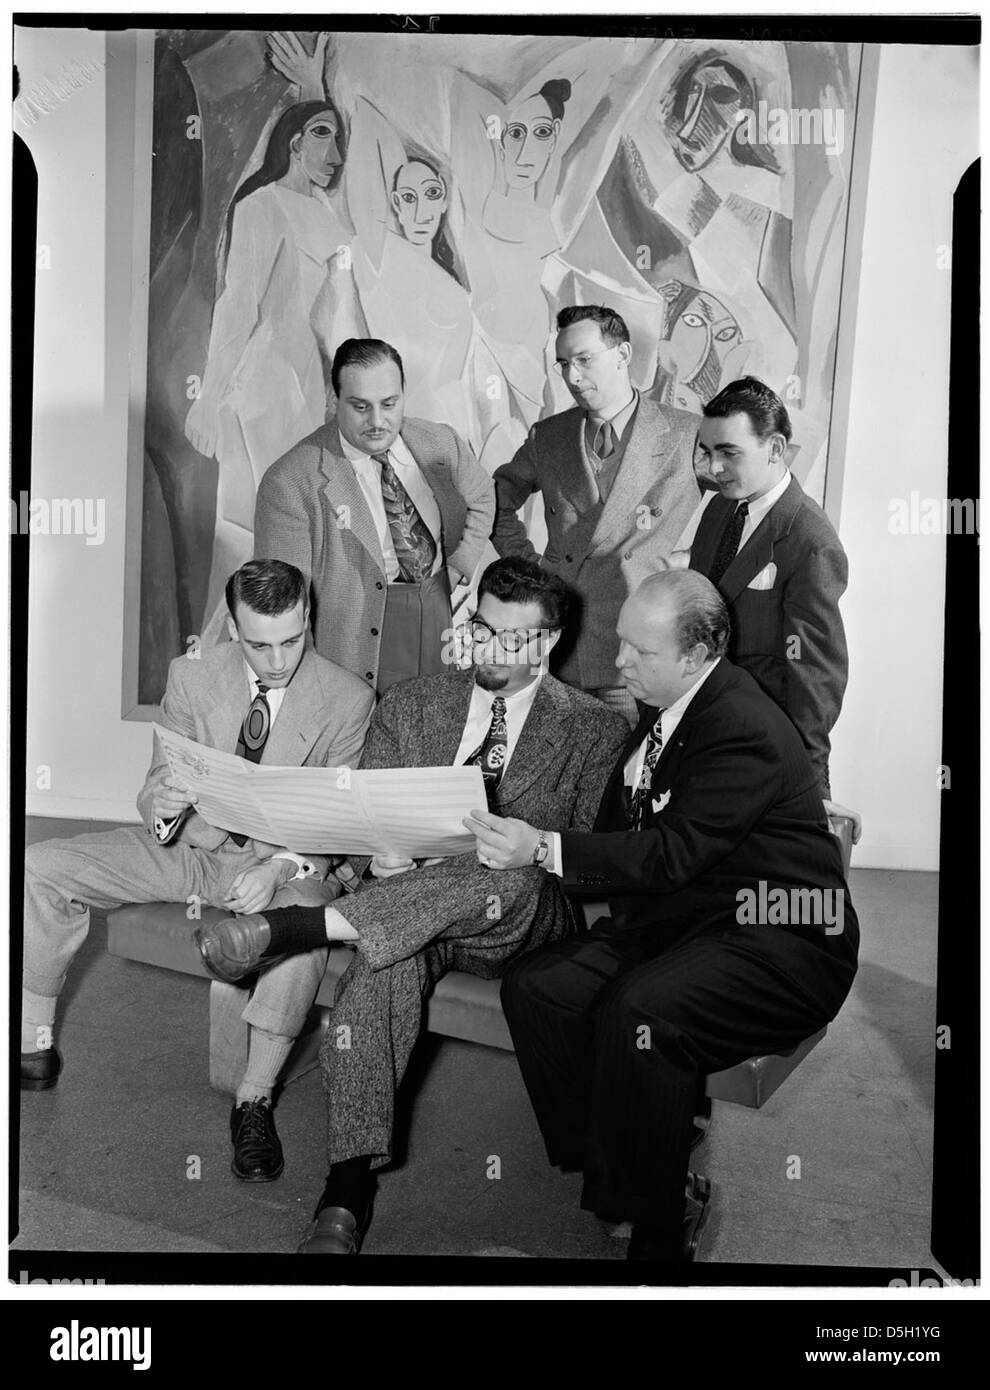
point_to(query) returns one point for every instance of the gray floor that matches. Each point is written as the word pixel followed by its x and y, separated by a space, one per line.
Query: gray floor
pixel 130 1152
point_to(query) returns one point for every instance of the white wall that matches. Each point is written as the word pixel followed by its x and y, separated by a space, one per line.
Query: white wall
pixel 96 760
pixel 886 743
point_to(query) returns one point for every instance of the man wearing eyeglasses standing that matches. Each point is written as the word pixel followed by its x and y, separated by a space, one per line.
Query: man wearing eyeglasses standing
pixel 618 484
pixel 545 751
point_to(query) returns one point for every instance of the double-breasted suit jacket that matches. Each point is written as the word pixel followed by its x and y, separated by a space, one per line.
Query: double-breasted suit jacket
pixel 783 590
pixel 604 550
pixel 312 513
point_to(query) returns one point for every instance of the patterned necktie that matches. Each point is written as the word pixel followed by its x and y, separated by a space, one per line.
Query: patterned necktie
pixel 728 543
pixel 253 737
pixel 415 548
pixel 490 757
pixel 654 747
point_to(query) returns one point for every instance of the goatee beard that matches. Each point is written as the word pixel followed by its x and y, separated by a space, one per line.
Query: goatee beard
pixel 490 678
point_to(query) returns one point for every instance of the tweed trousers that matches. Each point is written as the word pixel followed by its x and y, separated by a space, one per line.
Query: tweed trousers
pixel 414 927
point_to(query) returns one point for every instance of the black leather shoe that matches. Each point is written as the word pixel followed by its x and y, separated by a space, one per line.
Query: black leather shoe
pixel 257 1150
pixel 40 1070
pixel 334 1232
pixel 232 947
pixel 647 1245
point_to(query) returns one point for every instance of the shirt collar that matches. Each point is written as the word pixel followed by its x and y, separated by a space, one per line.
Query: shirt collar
pixel 620 420
pixel 676 710
pixel 517 703
pixel 759 506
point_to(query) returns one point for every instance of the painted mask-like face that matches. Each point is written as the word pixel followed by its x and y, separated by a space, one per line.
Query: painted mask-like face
pixel 419 202
pixel 714 100
pixel 698 341
pixel 528 140
pixel 316 148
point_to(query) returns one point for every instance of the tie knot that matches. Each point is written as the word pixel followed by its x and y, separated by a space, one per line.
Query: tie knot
pixel 498 707
pixel 263 689
pixel 383 459
pixel 742 509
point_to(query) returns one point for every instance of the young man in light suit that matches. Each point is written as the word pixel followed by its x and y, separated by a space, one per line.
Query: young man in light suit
pixel 385 516
pixel 618 484
pixel 267 696
pixel 545 750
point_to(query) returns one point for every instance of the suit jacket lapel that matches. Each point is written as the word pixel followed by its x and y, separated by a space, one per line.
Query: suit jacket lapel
pixel 299 720
pixel 639 466
pixel 757 553
pixel 343 490
pixel 541 736
pixel 444 721
pixel 226 699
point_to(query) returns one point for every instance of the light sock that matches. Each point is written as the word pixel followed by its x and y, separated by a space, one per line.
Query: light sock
pixel 37 1021
pixel 267 1054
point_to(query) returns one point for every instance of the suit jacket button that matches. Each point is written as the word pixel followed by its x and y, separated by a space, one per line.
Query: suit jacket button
pixel 627 555
pixel 369 675
pixel 379 584
pixel 568 559
pixel 552 511
pixel 374 632
pixel 656 511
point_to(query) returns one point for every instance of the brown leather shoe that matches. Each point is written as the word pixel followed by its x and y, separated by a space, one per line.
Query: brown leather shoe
pixel 334 1232
pixel 232 948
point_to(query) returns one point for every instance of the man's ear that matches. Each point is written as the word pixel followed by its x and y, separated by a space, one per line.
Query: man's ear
pixel 778 448
pixel 695 658
pixel 552 641
pixel 232 628
pixel 625 352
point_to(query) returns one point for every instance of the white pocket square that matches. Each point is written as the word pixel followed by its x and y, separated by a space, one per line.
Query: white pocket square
pixel 661 803
pixel 765 578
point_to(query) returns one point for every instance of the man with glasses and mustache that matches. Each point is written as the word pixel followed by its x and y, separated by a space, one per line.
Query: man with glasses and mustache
pixel 618 484
pixel 545 751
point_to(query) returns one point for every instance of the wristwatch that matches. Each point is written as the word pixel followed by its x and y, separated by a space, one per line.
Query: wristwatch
pixel 542 849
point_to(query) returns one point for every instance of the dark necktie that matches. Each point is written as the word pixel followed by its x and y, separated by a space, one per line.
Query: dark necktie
pixel 253 737
pixel 604 445
pixel 490 757
pixel 641 792
pixel 728 543
pixel 415 548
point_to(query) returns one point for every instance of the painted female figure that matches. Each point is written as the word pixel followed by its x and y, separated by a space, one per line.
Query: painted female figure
pixel 264 385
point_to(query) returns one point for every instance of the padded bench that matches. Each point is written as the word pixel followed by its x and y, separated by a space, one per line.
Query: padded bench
pixel 462 1005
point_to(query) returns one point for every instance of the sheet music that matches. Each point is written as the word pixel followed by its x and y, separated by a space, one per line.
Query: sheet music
pixel 324 810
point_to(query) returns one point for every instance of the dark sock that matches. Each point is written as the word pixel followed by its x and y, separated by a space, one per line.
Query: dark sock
pixel 295 929
pixel 349 1186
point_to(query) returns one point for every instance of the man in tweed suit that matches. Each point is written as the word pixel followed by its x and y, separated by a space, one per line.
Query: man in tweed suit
pixel 545 750
pixel 383 515
pixel 318 716
pixel 618 485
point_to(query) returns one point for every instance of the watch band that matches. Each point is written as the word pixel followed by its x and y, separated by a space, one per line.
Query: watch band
pixel 542 850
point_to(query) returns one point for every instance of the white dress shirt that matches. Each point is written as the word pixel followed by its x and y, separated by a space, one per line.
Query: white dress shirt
pixel 758 509
pixel 669 720
pixel 479 719
pixel 409 474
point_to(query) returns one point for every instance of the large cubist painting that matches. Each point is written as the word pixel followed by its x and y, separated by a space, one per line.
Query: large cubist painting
pixel 449 193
